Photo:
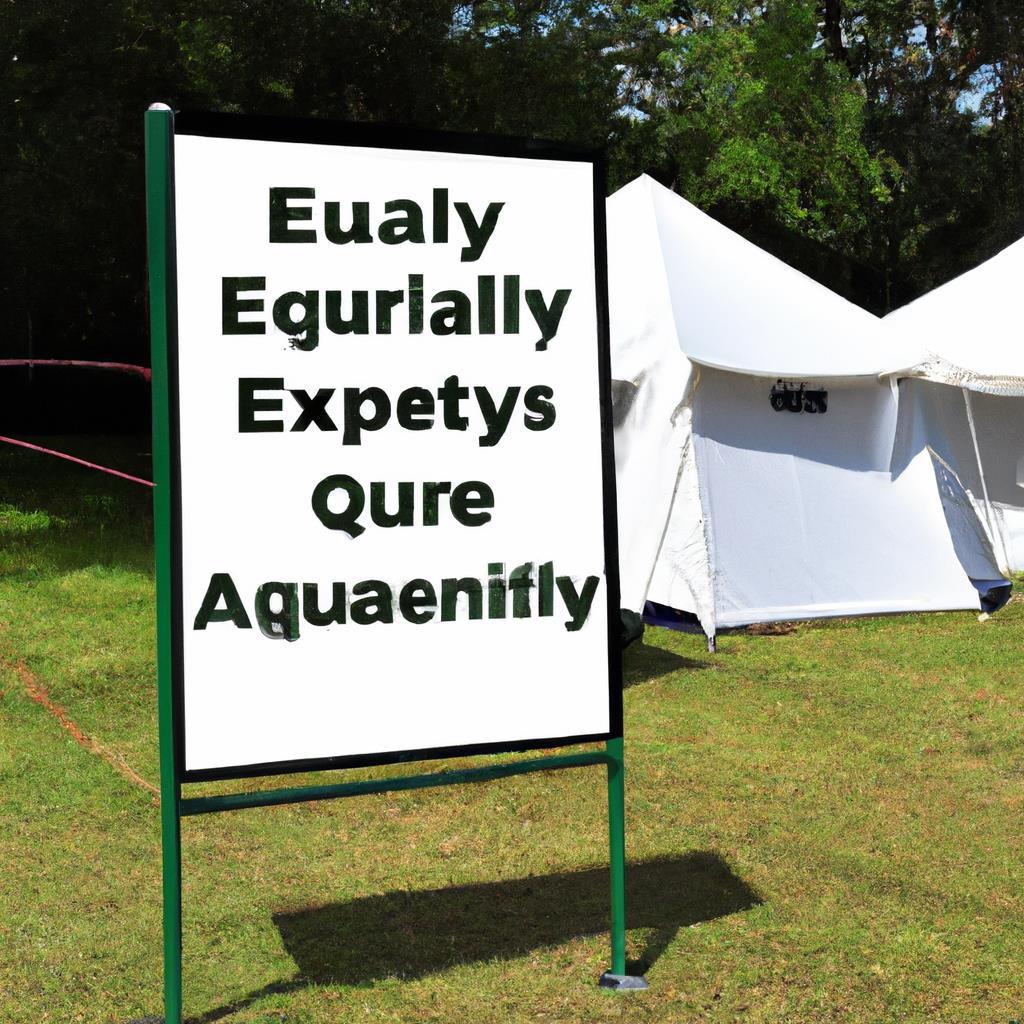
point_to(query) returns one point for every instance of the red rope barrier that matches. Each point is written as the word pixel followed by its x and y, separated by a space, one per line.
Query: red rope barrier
pixel 81 462
pixel 142 371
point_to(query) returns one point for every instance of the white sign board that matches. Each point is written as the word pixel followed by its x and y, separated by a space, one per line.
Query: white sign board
pixel 391 417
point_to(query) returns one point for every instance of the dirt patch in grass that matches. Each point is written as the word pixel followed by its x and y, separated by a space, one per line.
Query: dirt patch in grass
pixel 36 691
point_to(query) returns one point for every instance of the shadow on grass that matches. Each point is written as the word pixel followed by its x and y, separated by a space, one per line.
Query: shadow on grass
pixel 641 663
pixel 411 935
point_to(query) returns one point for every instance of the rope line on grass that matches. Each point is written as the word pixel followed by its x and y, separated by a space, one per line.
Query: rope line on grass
pixel 36 691
pixel 80 462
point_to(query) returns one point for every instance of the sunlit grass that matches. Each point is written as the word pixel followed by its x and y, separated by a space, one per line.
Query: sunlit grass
pixel 16 521
pixel 824 825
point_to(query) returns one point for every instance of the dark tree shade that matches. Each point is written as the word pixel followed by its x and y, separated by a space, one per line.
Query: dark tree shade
pixel 877 146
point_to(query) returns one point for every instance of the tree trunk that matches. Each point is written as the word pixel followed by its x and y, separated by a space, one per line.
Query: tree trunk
pixel 832 32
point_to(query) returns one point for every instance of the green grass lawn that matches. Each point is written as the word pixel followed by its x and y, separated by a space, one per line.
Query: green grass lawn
pixel 824 824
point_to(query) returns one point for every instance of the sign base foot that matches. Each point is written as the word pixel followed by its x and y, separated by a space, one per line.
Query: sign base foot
pixel 623 982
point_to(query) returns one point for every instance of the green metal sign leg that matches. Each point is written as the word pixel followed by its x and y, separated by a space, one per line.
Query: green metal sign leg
pixel 172 904
pixel 617 978
pixel 160 224
pixel 617 851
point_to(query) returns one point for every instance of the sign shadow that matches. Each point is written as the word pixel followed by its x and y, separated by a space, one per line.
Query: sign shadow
pixel 412 935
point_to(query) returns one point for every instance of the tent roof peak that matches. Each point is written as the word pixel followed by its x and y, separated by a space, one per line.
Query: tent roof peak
pixel 967 330
pixel 738 307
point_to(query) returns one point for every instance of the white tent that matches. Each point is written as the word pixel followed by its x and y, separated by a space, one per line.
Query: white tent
pixel 732 506
pixel 964 397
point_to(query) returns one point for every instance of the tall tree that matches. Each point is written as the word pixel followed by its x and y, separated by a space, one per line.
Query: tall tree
pixel 848 136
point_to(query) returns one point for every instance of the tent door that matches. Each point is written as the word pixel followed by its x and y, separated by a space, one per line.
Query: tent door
pixel 971 541
pixel 992 520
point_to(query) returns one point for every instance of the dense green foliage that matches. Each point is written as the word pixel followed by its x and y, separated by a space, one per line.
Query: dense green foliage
pixel 876 144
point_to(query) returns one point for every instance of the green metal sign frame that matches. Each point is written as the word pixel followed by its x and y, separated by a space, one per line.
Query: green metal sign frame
pixel 159 136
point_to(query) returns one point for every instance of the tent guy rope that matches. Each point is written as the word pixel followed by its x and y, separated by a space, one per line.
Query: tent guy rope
pixel 80 462
pixel 131 368
pixel 142 371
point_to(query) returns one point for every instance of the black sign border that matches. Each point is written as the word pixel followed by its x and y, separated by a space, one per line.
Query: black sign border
pixel 341 133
